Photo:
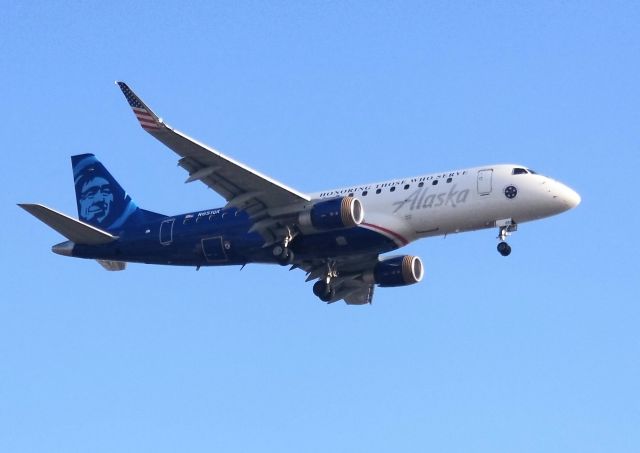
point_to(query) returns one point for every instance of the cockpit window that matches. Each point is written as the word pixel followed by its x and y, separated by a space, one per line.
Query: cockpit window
pixel 531 171
pixel 519 171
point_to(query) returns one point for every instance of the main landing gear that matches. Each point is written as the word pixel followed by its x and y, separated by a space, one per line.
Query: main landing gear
pixel 323 288
pixel 506 228
pixel 282 252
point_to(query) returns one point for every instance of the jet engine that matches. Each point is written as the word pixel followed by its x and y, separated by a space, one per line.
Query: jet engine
pixel 332 214
pixel 396 271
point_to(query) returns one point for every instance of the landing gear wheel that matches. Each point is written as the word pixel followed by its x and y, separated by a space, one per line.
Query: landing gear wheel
pixel 286 258
pixel 323 290
pixel 504 249
pixel 277 250
pixel 283 255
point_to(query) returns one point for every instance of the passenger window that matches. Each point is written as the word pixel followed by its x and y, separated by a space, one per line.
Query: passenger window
pixel 449 179
pixel 393 189
pixel 420 184
pixel 350 195
pixel 378 190
pixel 406 187
pixel 364 194
pixel 435 182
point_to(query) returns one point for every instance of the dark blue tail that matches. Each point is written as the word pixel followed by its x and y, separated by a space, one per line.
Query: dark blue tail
pixel 102 202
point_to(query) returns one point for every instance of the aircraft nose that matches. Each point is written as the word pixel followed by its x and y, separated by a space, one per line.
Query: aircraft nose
pixel 569 197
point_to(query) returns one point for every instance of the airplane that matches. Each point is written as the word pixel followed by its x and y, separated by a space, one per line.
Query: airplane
pixel 336 236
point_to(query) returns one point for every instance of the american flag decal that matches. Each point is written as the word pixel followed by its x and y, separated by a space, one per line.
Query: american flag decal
pixel 147 120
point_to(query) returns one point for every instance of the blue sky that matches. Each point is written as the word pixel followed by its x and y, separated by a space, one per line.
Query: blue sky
pixel 537 352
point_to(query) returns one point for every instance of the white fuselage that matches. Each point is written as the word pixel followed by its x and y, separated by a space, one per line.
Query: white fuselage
pixel 462 200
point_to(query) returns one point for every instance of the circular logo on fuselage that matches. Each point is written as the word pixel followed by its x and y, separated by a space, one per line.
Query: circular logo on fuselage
pixel 510 192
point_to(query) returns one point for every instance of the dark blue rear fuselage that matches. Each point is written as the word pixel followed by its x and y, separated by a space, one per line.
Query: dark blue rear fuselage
pixel 221 237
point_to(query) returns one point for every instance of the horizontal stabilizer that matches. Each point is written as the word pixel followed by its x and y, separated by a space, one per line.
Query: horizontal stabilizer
pixel 74 230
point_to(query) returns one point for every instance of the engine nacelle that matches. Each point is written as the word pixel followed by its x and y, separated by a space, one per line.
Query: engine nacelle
pixel 332 214
pixel 396 271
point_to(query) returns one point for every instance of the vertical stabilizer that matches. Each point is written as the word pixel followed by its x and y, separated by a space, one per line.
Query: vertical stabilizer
pixel 102 202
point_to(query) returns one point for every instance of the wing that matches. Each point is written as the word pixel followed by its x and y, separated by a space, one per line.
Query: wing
pixel 348 281
pixel 239 185
pixel 362 294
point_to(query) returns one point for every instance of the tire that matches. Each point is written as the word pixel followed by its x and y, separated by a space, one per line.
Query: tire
pixel 285 258
pixel 323 291
pixel 329 295
pixel 504 249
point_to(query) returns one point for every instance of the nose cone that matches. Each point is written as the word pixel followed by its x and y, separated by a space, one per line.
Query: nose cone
pixel 569 197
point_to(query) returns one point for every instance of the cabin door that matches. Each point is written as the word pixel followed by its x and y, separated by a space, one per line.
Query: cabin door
pixel 214 250
pixel 484 181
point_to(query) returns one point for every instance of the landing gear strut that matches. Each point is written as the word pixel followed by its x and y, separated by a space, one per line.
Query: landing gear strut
pixel 507 227
pixel 282 252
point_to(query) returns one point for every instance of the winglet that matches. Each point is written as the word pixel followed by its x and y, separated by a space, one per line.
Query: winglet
pixel 148 120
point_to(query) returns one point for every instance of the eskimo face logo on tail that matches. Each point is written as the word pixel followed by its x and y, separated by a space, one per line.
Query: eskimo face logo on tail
pixel 101 200
pixel 96 197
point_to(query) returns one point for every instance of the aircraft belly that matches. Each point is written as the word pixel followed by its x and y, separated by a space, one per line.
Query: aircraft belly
pixel 342 242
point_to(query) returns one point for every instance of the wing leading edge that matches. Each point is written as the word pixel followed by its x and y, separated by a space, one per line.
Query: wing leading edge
pixel 240 185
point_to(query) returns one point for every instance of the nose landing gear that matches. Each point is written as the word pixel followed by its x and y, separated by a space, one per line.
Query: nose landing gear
pixel 506 227
pixel 504 249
